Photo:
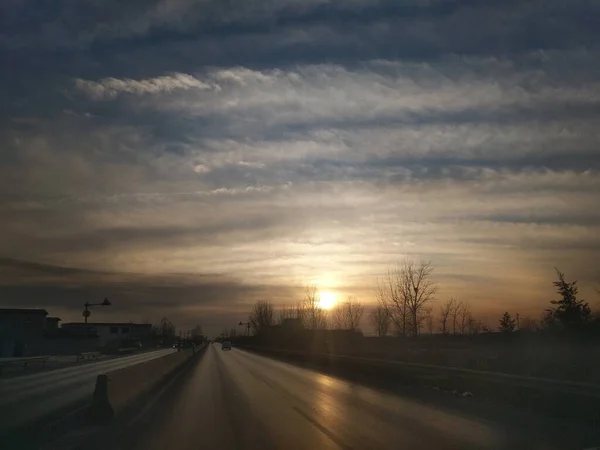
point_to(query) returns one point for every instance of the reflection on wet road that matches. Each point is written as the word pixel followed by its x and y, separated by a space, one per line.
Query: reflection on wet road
pixel 239 400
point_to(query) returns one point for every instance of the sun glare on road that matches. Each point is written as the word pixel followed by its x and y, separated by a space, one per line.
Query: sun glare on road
pixel 327 300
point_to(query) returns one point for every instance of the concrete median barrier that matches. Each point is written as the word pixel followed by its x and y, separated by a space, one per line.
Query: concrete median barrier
pixel 116 390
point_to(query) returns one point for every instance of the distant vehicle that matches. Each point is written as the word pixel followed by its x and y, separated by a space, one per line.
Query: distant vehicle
pixel 226 345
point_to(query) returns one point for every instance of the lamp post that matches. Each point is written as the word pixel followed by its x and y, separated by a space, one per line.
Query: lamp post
pixel 86 311
pixel 247 327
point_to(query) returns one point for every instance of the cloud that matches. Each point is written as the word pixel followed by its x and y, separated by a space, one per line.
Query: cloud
pixel 382 116
pixel 187 299
pixel 378 91
pixel 428 25
pixel 149 145
pixel 111 87
pixel 201 168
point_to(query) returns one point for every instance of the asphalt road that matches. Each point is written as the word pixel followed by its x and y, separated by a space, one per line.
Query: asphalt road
pixel 239 400
pixel 28 398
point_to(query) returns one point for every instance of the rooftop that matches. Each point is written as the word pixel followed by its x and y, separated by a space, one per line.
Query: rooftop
pixel 23 311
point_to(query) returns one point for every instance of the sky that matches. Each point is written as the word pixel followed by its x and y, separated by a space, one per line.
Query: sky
pixel 186 158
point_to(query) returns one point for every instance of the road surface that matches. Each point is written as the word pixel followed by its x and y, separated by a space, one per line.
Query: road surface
pixel 240 400
pixel 28 398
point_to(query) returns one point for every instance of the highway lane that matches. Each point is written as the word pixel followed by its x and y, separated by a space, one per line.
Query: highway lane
pixel 239 400
pixel 27 398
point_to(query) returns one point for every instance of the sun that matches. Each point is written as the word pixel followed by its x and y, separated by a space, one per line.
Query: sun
pixel 327 300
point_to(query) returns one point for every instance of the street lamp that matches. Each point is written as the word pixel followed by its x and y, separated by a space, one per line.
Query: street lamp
pixel 247 327
pixel 86 311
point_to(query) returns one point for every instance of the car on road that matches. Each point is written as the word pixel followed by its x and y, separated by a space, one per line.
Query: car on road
pixel 226 345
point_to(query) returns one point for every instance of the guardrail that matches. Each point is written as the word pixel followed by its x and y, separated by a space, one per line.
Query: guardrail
pixel 539 383
pixel 7 362
pixel 565 386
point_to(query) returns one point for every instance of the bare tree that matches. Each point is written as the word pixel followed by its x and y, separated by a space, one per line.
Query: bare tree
pixel 473 325
pixel 262 317
pixel 285 312
pixel 405 293
pixel 314 317
pixel 294 311
pixel 380 320
pixel 336 317
pixel 389 298
pixel 430 321
pixel 446 311
pixel 464 313
pixel 419 290
pixel 167 329
pixel 455 315
pixel 353 311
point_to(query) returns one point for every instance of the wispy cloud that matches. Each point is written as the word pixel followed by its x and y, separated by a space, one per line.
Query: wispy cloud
pixel 111 87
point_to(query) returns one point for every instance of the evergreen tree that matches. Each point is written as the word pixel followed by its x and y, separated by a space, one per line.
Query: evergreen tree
pixel 507 323
pixel 568 313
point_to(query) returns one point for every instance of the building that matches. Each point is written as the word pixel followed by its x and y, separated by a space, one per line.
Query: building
pixel 52 324
pixel 22 331
pixel 112 333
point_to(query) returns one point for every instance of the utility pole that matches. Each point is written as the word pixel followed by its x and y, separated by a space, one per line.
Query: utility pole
pixel 86 311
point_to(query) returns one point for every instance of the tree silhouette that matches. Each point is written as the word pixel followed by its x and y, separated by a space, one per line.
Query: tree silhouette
pixel 167 329
pixel 568 313
pixel 262 317
pixel 465 315
pixel 406 293
pixel 380 320
pixel 346 315
pixel 445 313
pixel 507 323
pixel 455 313
pixel 315 317
pixel 337 317
pixel 353 311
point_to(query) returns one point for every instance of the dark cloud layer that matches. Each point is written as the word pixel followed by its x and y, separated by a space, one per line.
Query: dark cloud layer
pixel 184 298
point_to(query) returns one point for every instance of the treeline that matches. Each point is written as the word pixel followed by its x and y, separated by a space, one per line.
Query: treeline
pixel 407 306
pixel 306 314
pixel 165 333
